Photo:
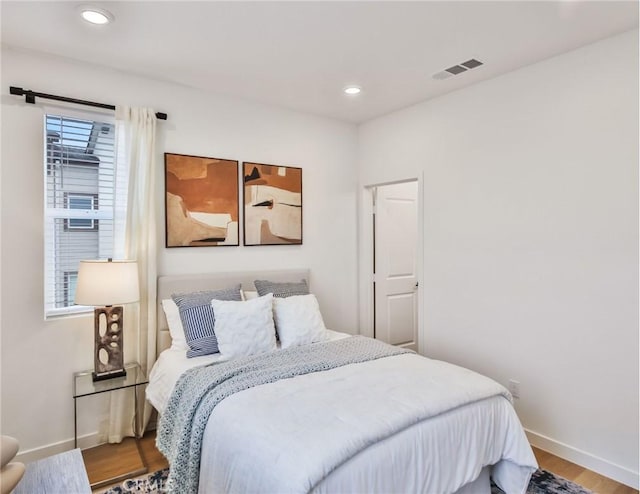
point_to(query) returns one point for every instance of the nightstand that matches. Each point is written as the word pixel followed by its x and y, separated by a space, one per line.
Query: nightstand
pixel 100 460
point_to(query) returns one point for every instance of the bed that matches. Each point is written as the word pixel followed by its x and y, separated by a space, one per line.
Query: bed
pixel 392 423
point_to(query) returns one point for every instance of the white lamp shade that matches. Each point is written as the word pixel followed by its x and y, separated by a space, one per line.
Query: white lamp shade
pixel 107 283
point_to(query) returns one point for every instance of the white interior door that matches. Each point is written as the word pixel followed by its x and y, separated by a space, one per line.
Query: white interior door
pixel 395 278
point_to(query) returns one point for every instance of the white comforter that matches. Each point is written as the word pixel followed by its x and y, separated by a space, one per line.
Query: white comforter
pixel 277 437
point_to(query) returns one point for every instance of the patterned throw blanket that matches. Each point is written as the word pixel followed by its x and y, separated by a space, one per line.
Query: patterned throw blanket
pixel 199 390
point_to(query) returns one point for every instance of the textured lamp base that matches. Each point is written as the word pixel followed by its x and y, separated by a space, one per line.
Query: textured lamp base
pixel 108 359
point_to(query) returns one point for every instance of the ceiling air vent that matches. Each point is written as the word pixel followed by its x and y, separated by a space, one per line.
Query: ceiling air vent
pixel 457 69
pixel 472 64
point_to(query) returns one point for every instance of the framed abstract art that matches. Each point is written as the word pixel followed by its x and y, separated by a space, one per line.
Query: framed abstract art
pixel 201 201
pixel 272 197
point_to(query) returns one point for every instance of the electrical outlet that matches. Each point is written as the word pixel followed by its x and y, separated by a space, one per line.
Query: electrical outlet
pixel 514 388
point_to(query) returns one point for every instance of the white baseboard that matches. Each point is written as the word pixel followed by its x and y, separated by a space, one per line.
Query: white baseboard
pixel 84 442
pixel 584 459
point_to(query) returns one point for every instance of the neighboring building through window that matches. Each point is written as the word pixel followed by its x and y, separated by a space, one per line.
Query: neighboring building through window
pixel 70 283
pixel 84 202
pixel 79 202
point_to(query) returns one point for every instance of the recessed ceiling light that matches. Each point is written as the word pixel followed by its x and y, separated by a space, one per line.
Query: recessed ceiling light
pixel 96 15
pixel 352 89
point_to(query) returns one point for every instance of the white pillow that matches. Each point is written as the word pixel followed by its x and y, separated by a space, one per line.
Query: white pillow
pixel 176 330
pixel 244 328
pixel 249 294
pixel 298 320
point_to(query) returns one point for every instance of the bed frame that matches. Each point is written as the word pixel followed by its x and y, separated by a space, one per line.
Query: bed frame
pixel 167 285
pixel 170 284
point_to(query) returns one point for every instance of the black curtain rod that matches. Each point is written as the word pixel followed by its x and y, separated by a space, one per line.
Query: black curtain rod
pixel 30 97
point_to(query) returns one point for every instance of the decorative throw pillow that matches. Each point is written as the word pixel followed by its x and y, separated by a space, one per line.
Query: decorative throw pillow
pixel 298 320
pixel 249 294
pixel 281 289
pixel 176 330
pixel 198 318
pixel 245 328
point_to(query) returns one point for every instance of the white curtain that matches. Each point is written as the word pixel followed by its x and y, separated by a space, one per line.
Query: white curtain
pixel 135 177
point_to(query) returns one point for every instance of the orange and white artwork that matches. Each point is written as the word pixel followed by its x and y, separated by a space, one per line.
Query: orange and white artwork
pixel 202 201
pixel 272 204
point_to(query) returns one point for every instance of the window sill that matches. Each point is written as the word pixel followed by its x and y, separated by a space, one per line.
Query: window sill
pixel 80 310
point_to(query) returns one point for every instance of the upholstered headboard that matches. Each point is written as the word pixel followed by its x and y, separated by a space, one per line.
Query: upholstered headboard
pixel 168 285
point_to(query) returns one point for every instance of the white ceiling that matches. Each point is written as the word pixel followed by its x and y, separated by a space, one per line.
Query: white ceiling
pixel 300 55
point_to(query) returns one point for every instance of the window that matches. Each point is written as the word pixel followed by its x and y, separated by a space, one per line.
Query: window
pixel 83 202
pixel 70 283
pixel 79 203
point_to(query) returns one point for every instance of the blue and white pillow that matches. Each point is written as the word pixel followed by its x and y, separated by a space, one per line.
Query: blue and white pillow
pixel 281 289
pixel 198 318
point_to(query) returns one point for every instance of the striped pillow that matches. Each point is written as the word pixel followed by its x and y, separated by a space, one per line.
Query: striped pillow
pixel 198 318
pixel 281 289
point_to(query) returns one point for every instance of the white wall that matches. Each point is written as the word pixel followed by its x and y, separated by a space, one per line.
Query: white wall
pixel 531 240
pixel 39 357
pixel 530 218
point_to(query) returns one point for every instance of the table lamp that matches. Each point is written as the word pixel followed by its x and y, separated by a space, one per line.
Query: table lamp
pixel 104 284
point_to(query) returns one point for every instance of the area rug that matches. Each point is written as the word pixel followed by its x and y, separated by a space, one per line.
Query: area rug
pixel 542 482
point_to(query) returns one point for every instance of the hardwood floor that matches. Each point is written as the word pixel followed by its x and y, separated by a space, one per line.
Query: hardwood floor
pixel 154 459
pixel 570 471
pixel 103 470
pixel 575 473
pixel 104 462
